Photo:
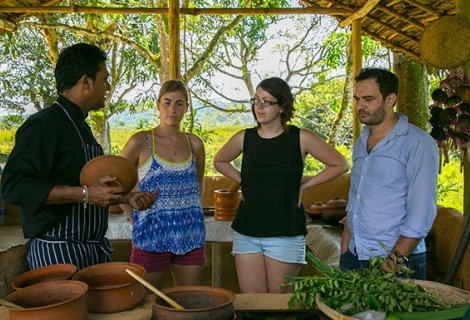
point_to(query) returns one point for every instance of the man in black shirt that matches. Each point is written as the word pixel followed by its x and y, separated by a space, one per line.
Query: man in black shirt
pixel 66 222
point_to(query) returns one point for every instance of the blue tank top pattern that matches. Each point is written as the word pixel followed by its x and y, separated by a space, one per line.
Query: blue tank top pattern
pixel 175 222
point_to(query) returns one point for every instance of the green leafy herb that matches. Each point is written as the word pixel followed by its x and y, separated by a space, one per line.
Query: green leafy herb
pixel 356 291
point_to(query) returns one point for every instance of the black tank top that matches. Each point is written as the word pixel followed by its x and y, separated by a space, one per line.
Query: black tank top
pixel 271 173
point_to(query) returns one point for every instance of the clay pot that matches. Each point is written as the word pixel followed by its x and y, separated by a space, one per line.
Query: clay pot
pixel 226 204
pixel 334 211
pixel 54 300
pixel 112 165
pixel 61 271
pixel 112 289
pixel 200 303
pixel 316 210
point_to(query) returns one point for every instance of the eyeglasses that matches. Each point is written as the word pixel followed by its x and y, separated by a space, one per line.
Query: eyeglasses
pixel 264 103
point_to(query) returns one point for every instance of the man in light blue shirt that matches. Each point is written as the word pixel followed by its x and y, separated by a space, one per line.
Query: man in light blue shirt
pixel 392 198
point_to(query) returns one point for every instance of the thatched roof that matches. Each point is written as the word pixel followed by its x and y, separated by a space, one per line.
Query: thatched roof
pixel 398 24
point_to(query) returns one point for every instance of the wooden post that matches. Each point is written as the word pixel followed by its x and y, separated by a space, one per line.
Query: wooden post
pixel 357 65
pixel 463 11
pixel 174 32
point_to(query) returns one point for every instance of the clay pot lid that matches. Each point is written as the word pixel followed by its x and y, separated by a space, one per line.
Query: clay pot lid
pixel 337 202
pixel 53 272
pixel 112 165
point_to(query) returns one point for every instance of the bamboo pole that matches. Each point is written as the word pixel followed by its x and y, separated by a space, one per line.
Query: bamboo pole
pixel 174 32
pixel 359 14
pixel 184 11
pixel 356 66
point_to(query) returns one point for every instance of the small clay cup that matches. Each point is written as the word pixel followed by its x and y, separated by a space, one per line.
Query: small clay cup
pixel 60 271
pixel 226 204
pixel 112 289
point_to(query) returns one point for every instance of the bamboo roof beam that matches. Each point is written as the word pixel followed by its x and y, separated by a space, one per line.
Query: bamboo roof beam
pixel 188 11
pixel 391 28
pixel 410 21
pixel 392 45
pixel 422 7
pixel 6 25
pixel 359 14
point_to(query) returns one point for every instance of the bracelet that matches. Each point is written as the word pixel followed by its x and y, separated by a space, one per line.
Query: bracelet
pixel 85 196
pixel 398 258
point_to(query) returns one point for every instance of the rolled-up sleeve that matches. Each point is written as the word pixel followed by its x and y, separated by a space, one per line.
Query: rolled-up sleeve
pixel 422 170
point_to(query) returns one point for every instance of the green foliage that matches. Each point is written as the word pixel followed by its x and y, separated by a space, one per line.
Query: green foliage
pixel 450 186
pixel 356 291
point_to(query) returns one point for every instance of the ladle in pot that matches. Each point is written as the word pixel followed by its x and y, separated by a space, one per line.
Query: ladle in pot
pixel 10 304
pixel 170 301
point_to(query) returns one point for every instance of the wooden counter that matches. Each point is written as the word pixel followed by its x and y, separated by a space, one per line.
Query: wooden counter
pixel 323 240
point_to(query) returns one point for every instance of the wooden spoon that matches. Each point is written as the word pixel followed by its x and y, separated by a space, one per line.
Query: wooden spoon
pixel 10 304
pixel 172 302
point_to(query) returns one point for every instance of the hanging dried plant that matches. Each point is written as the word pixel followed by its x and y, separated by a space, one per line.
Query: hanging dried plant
pixel 450 115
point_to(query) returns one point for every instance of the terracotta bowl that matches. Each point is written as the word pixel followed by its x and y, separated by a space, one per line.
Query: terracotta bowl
pixel 61 271
pixel 112 165
pixel 334 211
pixel 316 210
pixel 54 300
pixel 200 303
pixel 111 288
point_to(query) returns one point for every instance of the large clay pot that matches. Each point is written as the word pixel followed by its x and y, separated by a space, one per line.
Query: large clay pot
pixel 226 204
pixel 200 303
pixel 60 271
pixel 112 289
pixel 54 300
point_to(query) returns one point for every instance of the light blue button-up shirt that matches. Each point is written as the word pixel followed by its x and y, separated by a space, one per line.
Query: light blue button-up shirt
pixel 393 190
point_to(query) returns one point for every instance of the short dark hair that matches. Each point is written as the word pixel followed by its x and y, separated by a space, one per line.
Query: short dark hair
pixel 387 80
pixel 280 90
pixel 172 86
pixel 74 62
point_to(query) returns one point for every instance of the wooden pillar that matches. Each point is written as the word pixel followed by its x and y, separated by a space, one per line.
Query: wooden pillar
pixel 463 11
pixel 174 32
pixel 357 65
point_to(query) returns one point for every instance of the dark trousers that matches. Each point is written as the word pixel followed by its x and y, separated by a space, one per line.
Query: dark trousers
pixel 417 263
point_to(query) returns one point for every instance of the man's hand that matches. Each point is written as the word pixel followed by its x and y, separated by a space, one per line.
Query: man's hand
pixel 105 191
pixel 141 200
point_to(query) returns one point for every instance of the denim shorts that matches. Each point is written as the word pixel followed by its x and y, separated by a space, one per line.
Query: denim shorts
pixel 285 249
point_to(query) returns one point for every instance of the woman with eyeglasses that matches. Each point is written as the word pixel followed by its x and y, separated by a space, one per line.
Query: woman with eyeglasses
pixel 270 225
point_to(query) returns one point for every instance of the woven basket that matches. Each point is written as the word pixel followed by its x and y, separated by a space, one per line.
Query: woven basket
pixel 445 42
pixel 449 294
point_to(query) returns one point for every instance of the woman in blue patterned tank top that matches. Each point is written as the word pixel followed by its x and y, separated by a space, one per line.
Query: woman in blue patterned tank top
pixel 171 233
